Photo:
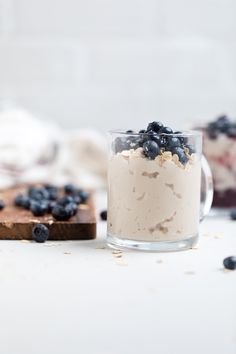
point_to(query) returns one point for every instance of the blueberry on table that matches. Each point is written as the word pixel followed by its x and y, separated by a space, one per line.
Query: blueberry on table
pixel 151 149
pixel 65 200
pixel 233 214
pixel 38 208
pixel 71 208
pixel 69 188
pixel 2 205
pixel 60 213
pixel 84 195
pixel 38 193
pixel 155 126
pixel 103 215
pixel 25 202
pixel 40 233
pixel 230 263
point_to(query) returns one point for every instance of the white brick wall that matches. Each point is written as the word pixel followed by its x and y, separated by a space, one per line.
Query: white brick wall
pixel 111 63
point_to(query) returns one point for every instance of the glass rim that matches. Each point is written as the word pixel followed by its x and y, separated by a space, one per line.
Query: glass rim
pixel 182 133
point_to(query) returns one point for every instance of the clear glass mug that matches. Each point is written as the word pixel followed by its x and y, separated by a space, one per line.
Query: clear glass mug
pixel 155 202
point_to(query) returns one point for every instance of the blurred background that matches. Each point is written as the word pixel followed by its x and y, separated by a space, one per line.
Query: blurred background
pixel 107 64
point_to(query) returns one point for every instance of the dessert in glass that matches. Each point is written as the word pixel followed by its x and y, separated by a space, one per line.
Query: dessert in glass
pixel 154 188
pixel 219 147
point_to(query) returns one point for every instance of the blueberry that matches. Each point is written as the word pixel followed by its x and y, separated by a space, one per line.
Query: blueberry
pixel 77 199
pixel 18 200
pixel 155 126
pixel 230 263
pixel 71 208
pixel 52 190
pixel 142 131
pixel 183 159
pixel 40 233
pixel 191 149
pixel 233 214
pixel 177 150
pixel 166 130
pixel 151 149
pixel 103 215
pixel 2 205
pixel 213 135
pixel 173 142
pixel 38 193
pixel 151 135
pixel 129 131
pixel 181 154
pixel 119 145
pixel 182 139
pixel 51 205
pixel 69 188
pixel 25 202
pixel 84 195
pixel 231 132
pixel 65 200
pixel 38 208
pixel 60 213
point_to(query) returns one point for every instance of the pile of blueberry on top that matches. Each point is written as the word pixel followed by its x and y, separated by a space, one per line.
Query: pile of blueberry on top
pixel 222 125
pixel 48 200
pixel 154 140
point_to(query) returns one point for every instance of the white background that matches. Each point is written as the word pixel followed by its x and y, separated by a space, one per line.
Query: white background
pixel 110 63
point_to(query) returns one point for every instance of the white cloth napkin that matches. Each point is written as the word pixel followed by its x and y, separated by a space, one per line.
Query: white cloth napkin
pixel 33 150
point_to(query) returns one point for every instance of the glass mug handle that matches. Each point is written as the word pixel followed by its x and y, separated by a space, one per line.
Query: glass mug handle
pixel 207 189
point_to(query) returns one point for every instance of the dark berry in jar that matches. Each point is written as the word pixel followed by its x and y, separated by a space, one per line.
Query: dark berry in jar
pixel 173 142
pixel 155 126
pixel 230 263
pixel 2 205
pixel 166 130
pixel 233 214
pixel 191 149
pixel 40 233
pixel 151 149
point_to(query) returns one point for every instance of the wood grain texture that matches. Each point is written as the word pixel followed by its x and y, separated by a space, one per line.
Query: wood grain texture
pixel 17 223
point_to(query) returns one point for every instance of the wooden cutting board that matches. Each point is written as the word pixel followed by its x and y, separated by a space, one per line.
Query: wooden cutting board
pixel 17 223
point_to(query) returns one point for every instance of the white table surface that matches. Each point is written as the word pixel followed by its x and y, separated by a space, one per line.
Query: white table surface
pixel 77 297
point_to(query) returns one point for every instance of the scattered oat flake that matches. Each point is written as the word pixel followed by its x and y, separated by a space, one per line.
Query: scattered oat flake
pixel 117 252
pixel 219 236
pixel 118 255
pixel 83 207
pixel 159 261
pixel 50 222
pixel 190 272
pixel 67 253
pixel 121 263
pixel 25 241
pixel 34 220
pixel 100 248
